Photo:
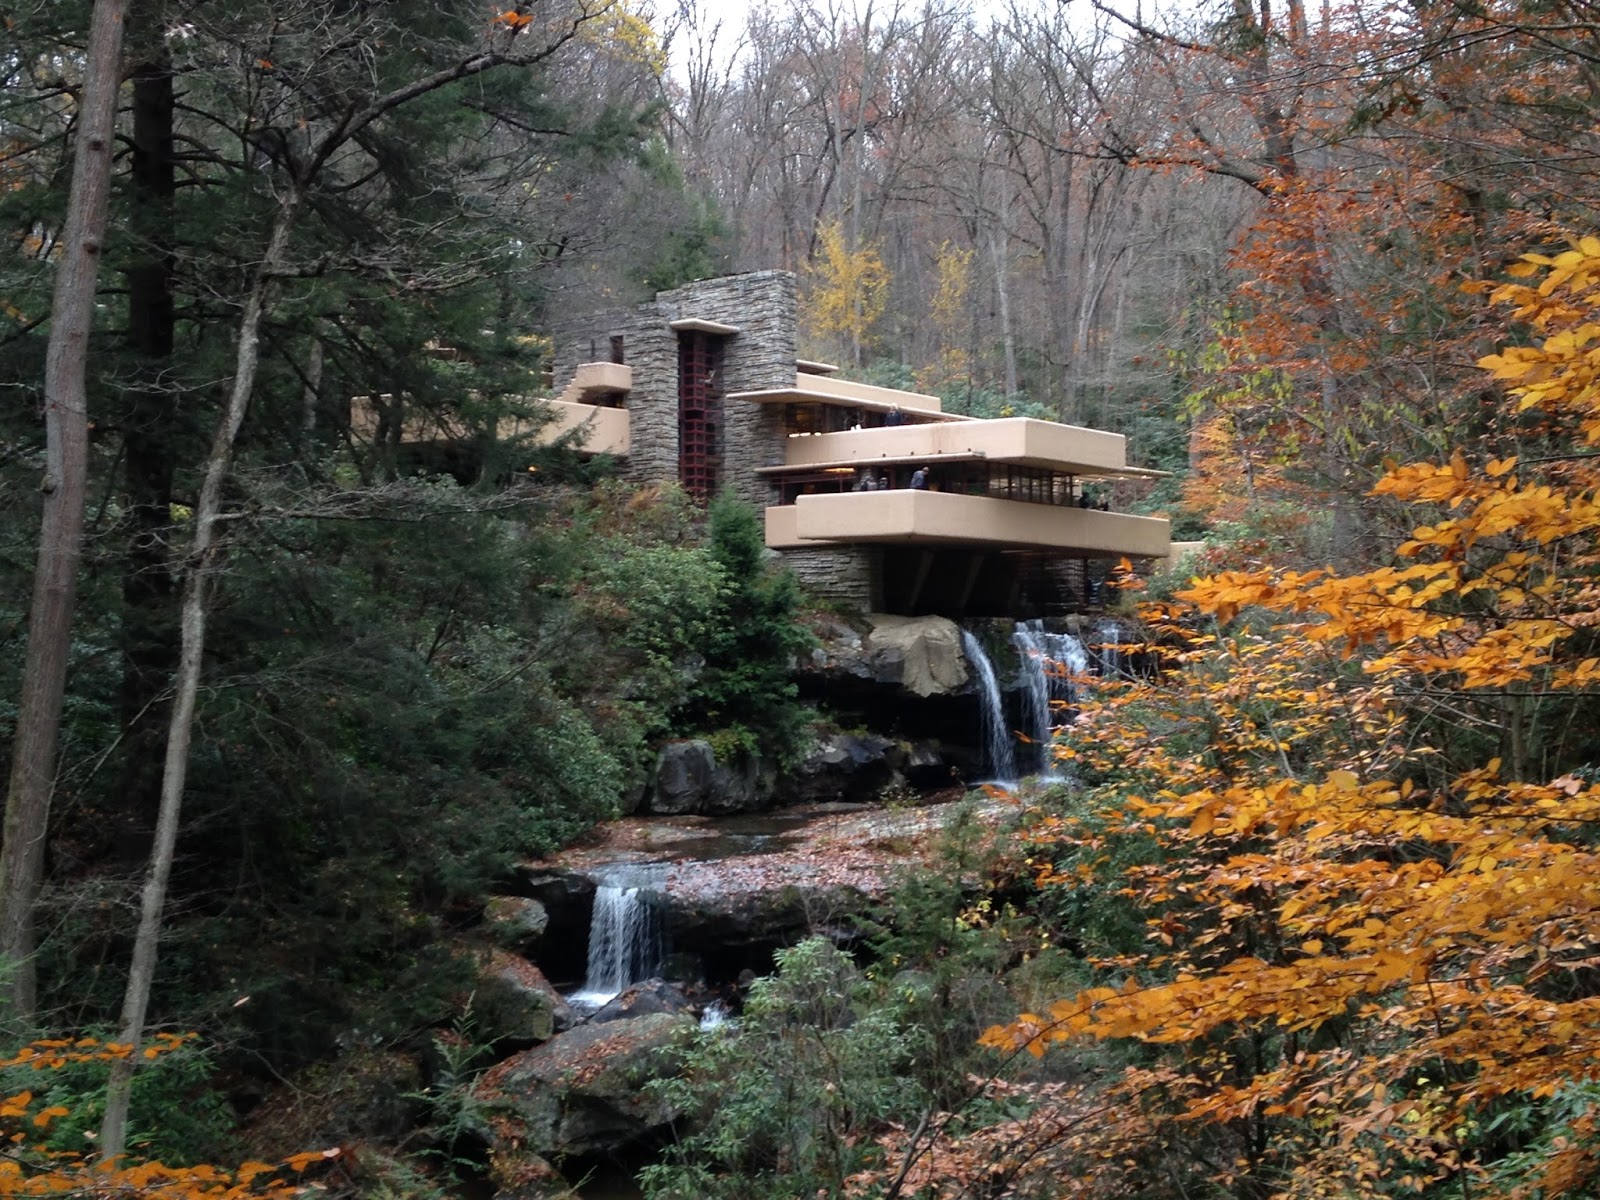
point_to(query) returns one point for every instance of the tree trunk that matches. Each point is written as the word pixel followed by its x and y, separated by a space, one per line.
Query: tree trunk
pixel 33 763
pixel 180 731
pixel 1000 252
pixel 150 456
pixel 311 394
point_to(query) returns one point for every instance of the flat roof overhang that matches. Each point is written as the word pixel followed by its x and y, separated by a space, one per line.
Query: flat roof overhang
pixel 908 517
pixel 847 464
pixel 1017 441
pixel 1094 474
pixel 701 325
pixel 805 395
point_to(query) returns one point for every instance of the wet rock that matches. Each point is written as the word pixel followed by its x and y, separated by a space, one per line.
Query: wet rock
pixel 568 898
pixel 682 778
pixel 844 766
pixel 643 999
pixel 515 921
pixel 768 914
pixel 515 1001
pixel 688 779
pixel 519 1174
pixel 555 889
pixel 584 1091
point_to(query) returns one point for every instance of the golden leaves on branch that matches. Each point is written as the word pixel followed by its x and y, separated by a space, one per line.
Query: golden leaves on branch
pixel 29 1168
pixel 1349 944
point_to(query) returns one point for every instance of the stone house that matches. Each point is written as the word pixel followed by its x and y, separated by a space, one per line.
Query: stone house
pixel 875 497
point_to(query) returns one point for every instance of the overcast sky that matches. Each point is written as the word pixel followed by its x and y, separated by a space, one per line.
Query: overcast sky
pixel 732 13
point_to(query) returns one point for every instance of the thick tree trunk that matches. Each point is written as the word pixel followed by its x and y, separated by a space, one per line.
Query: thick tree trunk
pixel 150 455
pixel 33 763
pixel 180 731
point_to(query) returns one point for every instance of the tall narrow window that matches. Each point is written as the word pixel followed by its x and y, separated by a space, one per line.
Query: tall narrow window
pixel 699 413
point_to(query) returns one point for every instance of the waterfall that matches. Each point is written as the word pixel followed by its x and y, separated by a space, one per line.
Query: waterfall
pixel 715 1016
pixel 998 757
pixel 624 944
pixel 1046 659
pixel 1109 636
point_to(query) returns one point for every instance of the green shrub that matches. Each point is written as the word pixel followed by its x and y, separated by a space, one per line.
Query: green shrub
pixel 751 647
pixel 781 1103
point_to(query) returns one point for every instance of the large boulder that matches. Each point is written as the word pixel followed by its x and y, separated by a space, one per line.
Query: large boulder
pixel 688 780
pixel 922 654
pixel 918 656
pixel 515 921
pixel 584 1091
pixel 682 778
pixel 844 766
pixel 516 1002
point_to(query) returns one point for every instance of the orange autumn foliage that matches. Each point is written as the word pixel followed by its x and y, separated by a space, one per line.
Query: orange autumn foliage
pixel 1372 898
pixel 30 1168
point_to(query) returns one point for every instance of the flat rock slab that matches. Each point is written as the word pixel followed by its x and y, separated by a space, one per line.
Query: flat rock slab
pixel 754 875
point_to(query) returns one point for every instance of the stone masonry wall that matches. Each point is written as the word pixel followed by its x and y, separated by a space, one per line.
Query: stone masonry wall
pixel 761 305
pixel 846 575
pixel 761 355
pixel 651 349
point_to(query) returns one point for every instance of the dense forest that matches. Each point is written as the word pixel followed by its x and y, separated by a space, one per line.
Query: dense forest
pixel 1314 911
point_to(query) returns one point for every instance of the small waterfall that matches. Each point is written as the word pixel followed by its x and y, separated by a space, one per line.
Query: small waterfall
pixel 715 1016
pixel 1046 661
pixel 998 756
pixel 1108 636
pixel 624 944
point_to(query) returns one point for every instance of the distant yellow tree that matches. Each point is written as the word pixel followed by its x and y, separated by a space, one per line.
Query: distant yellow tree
pixel 846 291
pixel 629 35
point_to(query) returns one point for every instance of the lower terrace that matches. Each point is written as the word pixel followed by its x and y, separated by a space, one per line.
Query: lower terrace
pixel 913 516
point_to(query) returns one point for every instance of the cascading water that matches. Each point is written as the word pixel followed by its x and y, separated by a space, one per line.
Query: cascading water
pixel 624 943
pixel 715 1016
pixel 1048 663
pixel 1108 635
pixel 998 756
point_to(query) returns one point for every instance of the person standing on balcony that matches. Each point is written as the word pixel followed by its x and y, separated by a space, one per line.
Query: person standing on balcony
pixel 895 417
pixel 919 479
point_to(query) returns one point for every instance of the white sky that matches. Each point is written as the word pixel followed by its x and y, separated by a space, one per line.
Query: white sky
pixel 732 13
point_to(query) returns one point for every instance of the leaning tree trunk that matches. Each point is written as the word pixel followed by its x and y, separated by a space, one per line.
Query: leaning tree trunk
pixel 180 730
pixel 44 678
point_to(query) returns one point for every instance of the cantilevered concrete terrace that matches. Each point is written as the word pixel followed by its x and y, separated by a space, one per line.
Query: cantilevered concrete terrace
pixel 913 517
pixel 1007 484
pixel 591 405
pixel 589 408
